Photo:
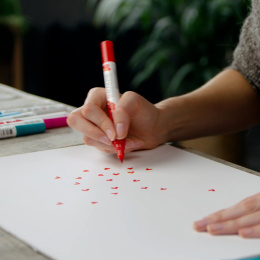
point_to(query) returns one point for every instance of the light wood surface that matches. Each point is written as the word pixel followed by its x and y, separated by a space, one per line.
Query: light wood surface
pixel 10 247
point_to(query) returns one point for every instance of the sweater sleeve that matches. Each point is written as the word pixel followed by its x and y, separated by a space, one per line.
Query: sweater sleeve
pixel 246 57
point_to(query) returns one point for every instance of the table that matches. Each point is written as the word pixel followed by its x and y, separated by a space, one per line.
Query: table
pixel 10 247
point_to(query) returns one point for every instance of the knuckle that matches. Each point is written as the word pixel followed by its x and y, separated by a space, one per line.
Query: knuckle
pixel 72 118
pixel 217 217
pixel 257 216
pixel 131 95
pixel 87 110
pixel 235 224
pixel 88 141
pixel 95 91
pixel 103 123
pixel 250 204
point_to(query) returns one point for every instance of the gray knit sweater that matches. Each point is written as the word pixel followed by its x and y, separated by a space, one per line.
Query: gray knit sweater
pixel 246 58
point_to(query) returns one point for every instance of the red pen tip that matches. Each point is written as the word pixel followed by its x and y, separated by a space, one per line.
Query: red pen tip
pixel 120 148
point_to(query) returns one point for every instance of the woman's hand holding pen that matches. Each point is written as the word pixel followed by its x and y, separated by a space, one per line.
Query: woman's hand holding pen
pixel 135 119
pixel 208 111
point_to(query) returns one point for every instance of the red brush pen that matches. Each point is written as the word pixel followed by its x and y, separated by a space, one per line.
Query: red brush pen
pixel 112 91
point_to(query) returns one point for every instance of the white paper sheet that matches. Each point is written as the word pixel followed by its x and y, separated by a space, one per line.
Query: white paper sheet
pixel 137 223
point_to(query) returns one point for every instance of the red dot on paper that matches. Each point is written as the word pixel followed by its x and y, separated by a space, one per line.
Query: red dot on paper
pixel 86 171
pixel 101 174
pixel 114 193
pixel 110 180
pixel 136 180
pixel 114 188
pixel 148 169
pixel 106 169
pixel 163 188
pixel 131 168
pixel 76 183
pixel 211 190
pixel 93 202
pixel 79 178
pixel 144 188
pixel 131 172
pixel 57 177
pixel 85 190
pixel 59 203
pixel 116 174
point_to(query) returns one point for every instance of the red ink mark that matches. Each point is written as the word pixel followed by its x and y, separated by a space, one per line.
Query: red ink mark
pixel 144 188
pixel 163 188
pixel 148 169
pixel 131 172
pixel 116 174
pixel 57 177
pixel 136 180
pixel 110 180
pixel 212 190
pixel 59 203
pixel 101 174
pixel 86 190
pixel 86 171
pixel 76 183
pixel 106 67
pixel 93 202
pixel 107 169
pixel 79 178
pixel 114 193
pixel 131 168
pixel 114 188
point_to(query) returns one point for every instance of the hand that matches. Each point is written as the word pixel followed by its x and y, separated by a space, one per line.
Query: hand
pixel 135 119
pixel 242 219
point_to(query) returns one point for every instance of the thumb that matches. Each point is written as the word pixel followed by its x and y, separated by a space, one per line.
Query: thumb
pixel 125 109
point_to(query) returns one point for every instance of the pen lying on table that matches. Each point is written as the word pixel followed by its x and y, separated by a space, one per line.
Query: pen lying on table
pixel 32 126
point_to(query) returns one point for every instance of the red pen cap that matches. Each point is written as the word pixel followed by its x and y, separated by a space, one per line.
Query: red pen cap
pixel 107 51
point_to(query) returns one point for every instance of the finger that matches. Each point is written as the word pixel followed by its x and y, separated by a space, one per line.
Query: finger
pixel 126 108
pixel 95 110
pixel 245 207
pixel 99 145
pixel 77 121
pixel 130 146
pixel 99 118
pixel 97 96
pixel 250 232
pixel 233 226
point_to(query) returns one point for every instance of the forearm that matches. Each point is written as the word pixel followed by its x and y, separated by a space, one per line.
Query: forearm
pixel 225 104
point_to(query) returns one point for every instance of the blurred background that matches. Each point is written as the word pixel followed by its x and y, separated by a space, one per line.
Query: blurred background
pixel 163 48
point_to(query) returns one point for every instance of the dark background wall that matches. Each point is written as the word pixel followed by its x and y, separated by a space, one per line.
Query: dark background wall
pixel 62 54
pixel 43 13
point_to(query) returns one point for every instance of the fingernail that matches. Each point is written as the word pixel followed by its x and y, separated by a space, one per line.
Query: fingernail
pixel 120 130
pixel 104 139
pixel 110 135
pixel 201 224
pixel 246 232
pixel 215 227
pixel 137 144
pixel 129 144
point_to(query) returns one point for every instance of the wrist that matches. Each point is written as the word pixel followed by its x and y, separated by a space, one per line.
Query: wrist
pixel 173 121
